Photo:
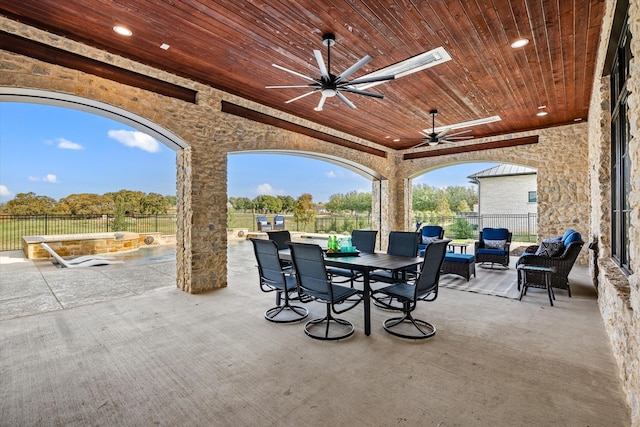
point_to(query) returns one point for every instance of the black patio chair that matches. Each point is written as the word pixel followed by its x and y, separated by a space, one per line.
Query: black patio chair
pixel 314 284
pixel 364 241
pixel 274 279
pixel 403 243
pixel 425 288
pixel 281 238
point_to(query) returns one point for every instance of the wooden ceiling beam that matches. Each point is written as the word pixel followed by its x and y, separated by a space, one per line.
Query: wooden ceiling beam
pixel 475 147
pixel 256 116
pixel 52 55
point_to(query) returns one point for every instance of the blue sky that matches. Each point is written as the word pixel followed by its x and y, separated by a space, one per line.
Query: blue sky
pixel 55 152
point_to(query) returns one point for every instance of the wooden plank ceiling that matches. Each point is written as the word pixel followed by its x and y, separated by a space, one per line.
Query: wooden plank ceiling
pixel 232 45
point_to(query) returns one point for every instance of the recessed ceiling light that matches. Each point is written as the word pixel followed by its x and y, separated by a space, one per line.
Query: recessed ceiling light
pixel 541 113
pixel 164 46
pixel 542 107
pixel 577 119
pixel 123 31
pixel 396 140
pixel 519 43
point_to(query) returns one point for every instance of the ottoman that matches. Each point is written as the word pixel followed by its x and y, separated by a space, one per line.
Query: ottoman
pixel 461 264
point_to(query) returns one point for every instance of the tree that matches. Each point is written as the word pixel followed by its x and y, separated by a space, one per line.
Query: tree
pixel 463 206
pixel 130 200
pixel 30 204
pixel 154 203
pixel 424 198
pixel 267 203
pixel 304 210
pixel 86 204
pixel 288 203
pixel 443 208
pixel 241 203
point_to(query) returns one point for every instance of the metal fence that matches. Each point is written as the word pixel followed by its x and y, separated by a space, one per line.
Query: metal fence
pixel 461 226
pixel 524 227
pixel 13 227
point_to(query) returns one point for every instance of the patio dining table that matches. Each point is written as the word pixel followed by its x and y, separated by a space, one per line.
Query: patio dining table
pixel 365 263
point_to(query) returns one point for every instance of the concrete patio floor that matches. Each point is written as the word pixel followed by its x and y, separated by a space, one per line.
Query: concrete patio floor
pixel 120 345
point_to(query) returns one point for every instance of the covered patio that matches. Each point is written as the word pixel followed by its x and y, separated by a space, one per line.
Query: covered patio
pixel 587 158
pixel 130 349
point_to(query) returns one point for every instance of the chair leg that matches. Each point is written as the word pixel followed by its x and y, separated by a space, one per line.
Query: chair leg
pixel 328 321
pixel 297 313
pixel 426 329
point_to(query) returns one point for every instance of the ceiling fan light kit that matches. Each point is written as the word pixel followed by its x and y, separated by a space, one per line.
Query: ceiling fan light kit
pixel 330 85
pixel 433 138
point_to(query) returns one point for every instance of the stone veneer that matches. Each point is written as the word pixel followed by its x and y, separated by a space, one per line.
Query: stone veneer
pixel 572 164
pixel 618 294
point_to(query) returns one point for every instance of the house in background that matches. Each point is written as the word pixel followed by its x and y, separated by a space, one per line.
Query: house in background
pixel 506 189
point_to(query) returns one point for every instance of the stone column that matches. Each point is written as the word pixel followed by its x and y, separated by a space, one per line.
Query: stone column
pixel 202 236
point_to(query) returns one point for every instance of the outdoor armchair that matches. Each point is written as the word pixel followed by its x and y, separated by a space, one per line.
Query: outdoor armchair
pixel 263 224
pixel 274 279
pixel 314 284
pixel 425 288
pixel 493 246
pixel 278 222
pixel 428 234
pixel 560 253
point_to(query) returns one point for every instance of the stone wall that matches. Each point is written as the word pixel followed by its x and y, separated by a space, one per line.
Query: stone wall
pixel 561 160
pixel 618 294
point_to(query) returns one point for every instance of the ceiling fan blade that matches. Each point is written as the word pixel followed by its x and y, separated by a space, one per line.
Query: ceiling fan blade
pixel 443 133
pixel 301 96
pixel 370 80
pixel 458 138
pixel 421 144
pixel 296 73
pixel 345 100
pixel 362 92
pixel 323 68
pixel 321 103
pixel 288 87
pixel 459 133
pixel 346 73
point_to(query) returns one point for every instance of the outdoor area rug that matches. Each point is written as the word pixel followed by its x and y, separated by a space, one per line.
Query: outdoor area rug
pixel 502 283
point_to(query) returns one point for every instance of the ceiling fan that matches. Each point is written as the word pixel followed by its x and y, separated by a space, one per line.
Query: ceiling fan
pixel 433 138
pixel 330 85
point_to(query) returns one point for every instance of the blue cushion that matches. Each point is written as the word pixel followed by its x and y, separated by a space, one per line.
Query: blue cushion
pixel 573 237
pixel 431 230
pixel 462 258
pixel 491 251
pixel 567 234
pixel 495 234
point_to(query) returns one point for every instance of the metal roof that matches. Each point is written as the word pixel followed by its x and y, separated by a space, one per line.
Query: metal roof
pixel 502 170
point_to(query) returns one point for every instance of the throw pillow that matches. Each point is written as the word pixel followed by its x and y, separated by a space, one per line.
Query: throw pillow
pixel 428 239
pixel 550 249
pixel 495 244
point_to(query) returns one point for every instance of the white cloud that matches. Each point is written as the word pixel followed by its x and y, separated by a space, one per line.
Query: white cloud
pixel 265 189
pixel 4 191
pixel 50 178
pixel 68 145
pixel 135 139
pixel 335 175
